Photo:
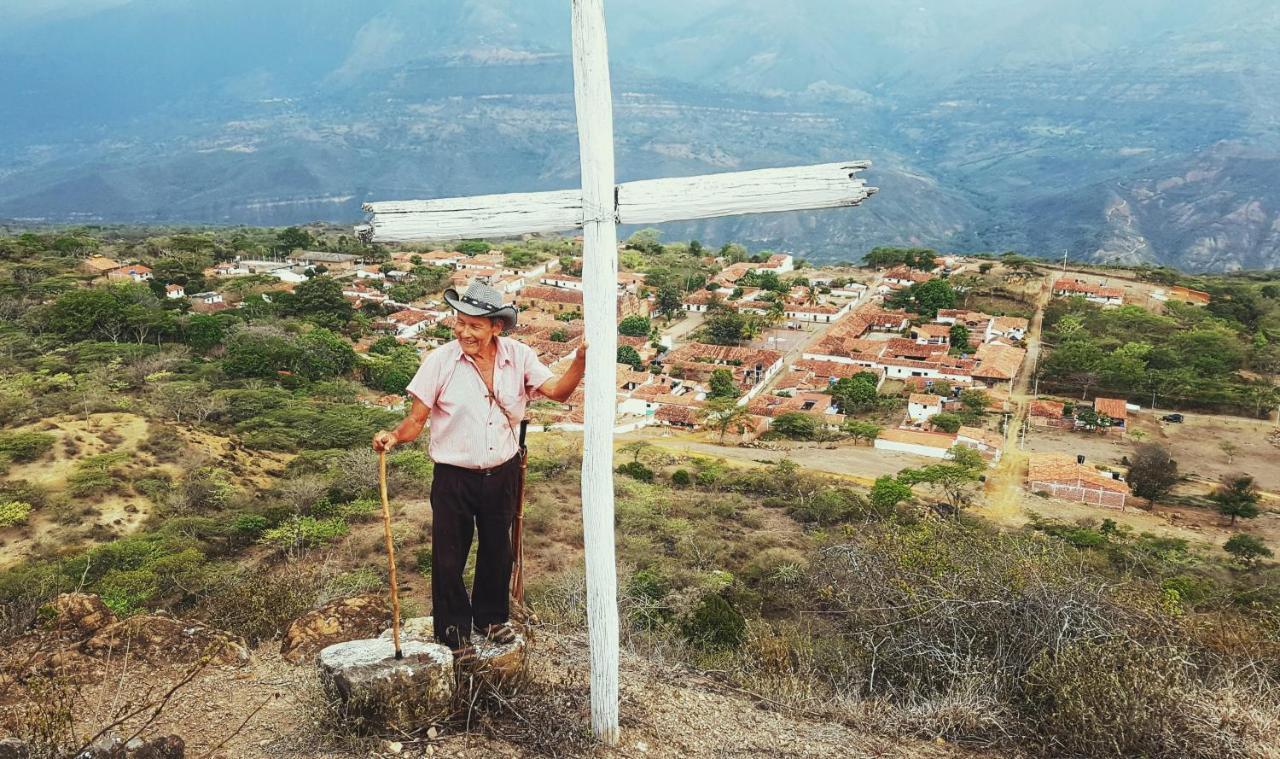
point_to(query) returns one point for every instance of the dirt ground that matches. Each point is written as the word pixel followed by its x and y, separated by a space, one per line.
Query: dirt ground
pixel 112 515
pixel 269 708
pixel 1195 445
pixel 861 463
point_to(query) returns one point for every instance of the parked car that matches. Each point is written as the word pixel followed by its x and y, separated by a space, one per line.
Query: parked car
pixel 1175 418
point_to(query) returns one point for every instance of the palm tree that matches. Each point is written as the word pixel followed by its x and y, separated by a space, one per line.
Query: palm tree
pixel 723 413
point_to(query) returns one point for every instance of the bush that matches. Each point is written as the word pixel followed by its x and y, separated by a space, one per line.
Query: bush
pixel 636 470
pixel 715 625
pixel 14 512
pixel 304 532
pixel 23 447
pixel 1112 699
pixel 681 478
pixel 829 506
pixel 250 526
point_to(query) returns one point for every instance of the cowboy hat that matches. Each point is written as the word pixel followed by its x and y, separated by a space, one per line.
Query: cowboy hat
pixel 482 300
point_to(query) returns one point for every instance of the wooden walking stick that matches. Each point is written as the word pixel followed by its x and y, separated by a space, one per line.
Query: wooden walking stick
pixel 391 552
pixel 517 531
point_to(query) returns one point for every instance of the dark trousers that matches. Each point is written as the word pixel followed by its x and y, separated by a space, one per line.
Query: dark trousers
pixel 463 502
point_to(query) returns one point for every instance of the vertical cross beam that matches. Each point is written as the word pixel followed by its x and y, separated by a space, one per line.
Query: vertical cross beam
pixel 593 100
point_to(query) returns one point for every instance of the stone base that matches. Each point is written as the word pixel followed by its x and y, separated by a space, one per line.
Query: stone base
pixel 502 658
pixel 368 680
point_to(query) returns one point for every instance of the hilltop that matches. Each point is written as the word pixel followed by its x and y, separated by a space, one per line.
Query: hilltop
pixel 849 512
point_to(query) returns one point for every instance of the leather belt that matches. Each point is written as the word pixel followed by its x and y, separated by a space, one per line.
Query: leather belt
pixel 489 472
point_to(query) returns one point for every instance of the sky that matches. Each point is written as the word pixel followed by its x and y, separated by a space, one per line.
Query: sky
pixel 21 11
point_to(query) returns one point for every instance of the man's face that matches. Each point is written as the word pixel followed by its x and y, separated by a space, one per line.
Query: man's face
pixel 475 332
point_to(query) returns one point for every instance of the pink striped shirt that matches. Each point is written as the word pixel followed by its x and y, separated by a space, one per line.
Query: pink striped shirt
pixel 468 428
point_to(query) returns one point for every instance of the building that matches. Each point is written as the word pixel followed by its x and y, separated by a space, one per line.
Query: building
pixel 778 263
pixel 932 444
pixel 813 313
pixel 336 262
pixel 173 292
pixel 1042 413
pixel 1067 287
pixel 922 406
pixel 209 302
pixel 1062 476
pixel 98 265
pixel 1115 409
pixel 410 322
pixel 699 301
pixel 132 272
pixel 984 441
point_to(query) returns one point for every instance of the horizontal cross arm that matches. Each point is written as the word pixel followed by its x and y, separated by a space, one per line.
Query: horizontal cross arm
pixel 650 201
pixel 797 188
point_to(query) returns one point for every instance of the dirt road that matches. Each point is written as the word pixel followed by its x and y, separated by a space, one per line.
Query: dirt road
pixel 1004 483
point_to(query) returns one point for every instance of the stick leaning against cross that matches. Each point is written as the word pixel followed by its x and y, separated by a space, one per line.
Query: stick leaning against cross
pixel 597 209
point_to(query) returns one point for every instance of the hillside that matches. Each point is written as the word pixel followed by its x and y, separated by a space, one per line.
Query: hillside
pixel 984 135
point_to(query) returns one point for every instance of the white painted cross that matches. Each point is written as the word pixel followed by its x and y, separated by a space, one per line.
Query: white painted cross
pixel 597 209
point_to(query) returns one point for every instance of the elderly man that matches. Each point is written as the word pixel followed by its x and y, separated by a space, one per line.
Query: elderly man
pixel 474 390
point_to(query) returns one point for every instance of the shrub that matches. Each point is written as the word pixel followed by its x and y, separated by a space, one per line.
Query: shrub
pixel 681 478
pixel 250 525
pixel 304 532
pixel 829 506
pixel 422 559
pixel 636 470
pixel 715 625
pixel 1247 549
pixel 23 447
pixel 14 512
pixel 1112 699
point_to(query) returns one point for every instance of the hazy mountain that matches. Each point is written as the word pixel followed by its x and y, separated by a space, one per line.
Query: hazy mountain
pixel 992 124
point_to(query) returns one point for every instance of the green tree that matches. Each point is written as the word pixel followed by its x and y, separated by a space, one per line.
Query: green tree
pixel 960 337
pixel 293 238
pixel 725 328
pixel 1152 472
pixel 946 421
pixel 928 297
pixel 860 430
pixel 635 448
pixel 669 301
pixel 723 413
pixel 1236 496
pixel 320 301
pixel 1247 549
pixel 630 356
pixel 722 384
pixel 956 481
pixel 204 332
pixel 325 354
pixel 635 326
pixel 888 492
pixel 472 247
pixel 259 352
pixel 795 426
pixel 855 394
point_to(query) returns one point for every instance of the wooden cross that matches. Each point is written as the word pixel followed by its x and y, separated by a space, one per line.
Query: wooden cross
pixel 597 209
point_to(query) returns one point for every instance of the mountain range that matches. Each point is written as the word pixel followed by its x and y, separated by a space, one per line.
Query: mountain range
pixel 1143 132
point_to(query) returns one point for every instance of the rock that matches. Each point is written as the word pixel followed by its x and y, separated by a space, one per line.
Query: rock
pixel 348 619
pixel 165 747
pixel 13 748
pixel 79 614
pixel 68 664
pixel 161 638
pixel 106 747
pixel 502 658
pixel 367 678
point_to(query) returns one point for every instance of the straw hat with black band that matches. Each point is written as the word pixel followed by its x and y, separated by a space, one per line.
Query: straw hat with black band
pixel 482 300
